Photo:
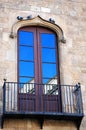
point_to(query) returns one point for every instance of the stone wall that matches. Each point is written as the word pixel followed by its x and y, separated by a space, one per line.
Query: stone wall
pixel 70 15
pixel 26 124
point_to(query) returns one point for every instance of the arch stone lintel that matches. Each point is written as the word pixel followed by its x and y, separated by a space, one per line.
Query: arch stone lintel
pixel 37 21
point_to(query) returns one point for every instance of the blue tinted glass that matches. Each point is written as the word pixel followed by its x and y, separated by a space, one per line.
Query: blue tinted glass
pixel 52 80
pixel 26 53
pixel 48 55
pixel 48 40
pixel 48 70
pixel 26 69
pixel 26 80
pixel 26 38
pixel 45 81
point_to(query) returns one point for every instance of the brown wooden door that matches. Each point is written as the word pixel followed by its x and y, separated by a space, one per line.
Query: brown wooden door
pixel 37 66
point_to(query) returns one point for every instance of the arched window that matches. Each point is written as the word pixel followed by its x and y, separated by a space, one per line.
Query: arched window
pixel 38 69
pixel 38 55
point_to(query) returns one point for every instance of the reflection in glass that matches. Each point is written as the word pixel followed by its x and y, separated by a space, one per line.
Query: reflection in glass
pixel 47 63
pixel 27 87
pixel 51 89
pixel 26 80
pixel 26 69
pixel 26 53
pixel 52 80
pixel 48 55
pixel 26 38
pixel 48 40
pixel 48 70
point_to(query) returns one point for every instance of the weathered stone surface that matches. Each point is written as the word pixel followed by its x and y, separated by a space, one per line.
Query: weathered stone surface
pixel 33 124
pixel 70 15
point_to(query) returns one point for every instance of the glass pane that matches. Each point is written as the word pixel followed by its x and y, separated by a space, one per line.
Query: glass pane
pixel 52 80
pixel 26 53
pixel 26 38
pixel 45 81
pixel 48 40
pixel 26 80
pixel 48 70
pixel 48 55
pixel 26 69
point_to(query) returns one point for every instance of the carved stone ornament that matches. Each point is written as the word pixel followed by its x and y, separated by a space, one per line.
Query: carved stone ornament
pixel 37 21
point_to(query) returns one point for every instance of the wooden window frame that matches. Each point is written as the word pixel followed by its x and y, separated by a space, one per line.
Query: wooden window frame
pixel 40 30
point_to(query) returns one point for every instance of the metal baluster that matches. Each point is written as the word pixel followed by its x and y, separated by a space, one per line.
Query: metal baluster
pixel 4 96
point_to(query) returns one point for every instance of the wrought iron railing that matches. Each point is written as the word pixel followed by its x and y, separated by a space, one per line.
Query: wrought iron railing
pixel 41 98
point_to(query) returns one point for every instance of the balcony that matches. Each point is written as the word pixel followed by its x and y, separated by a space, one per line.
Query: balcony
pixel 42 101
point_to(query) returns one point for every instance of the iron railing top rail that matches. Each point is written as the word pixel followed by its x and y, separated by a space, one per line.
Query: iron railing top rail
pixel 42 84
pixel 34 83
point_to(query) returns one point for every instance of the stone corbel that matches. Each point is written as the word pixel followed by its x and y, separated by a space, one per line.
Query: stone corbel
pixel 11 35
pixel 63 40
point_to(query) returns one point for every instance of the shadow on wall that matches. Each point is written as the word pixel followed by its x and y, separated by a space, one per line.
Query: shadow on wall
pixel 1 99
